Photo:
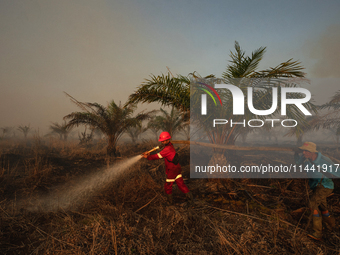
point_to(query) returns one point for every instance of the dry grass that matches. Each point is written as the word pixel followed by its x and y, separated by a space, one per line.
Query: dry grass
pixel 130 216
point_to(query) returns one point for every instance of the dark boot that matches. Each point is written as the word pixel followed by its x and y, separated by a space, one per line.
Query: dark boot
pixel 317 228
pixel 190 198
pixel 170 199
pixel 330 222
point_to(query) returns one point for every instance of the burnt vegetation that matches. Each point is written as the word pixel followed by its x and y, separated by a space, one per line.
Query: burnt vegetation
pixel 131 216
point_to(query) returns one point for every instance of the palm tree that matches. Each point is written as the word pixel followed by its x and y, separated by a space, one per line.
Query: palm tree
pixel 112 120
pixel 61 129
pixel 299 131
pixel 154 126
pixel 135 131
pixel 242 72
pixel 6 131
pixel 171 122
pixel 24 129
pixel 186 130
pixel 167 90
pixel 330 119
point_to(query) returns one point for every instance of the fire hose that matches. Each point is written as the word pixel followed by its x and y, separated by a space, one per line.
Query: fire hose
pixel 156 148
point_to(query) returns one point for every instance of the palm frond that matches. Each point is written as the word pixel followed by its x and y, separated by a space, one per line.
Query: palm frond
pixel 286 69
pixel 77 103
pixel 164 89
pixel 241 65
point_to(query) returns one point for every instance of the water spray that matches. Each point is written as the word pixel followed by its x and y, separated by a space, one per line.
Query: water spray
pixel 76 192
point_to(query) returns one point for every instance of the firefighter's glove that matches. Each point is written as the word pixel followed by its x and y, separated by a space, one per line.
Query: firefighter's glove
pixel 145 154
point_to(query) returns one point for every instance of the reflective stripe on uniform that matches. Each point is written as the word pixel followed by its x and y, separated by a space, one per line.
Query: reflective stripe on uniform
pixel 172 180
pixel 159 155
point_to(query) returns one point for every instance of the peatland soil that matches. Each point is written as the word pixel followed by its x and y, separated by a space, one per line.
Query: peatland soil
pixel 131 215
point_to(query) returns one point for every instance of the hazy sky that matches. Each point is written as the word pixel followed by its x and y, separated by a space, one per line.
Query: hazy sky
pixel 102 50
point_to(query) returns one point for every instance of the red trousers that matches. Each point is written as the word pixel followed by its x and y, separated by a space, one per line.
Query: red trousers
pixel 180 184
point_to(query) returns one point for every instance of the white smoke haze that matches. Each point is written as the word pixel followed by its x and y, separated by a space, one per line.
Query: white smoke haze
pixel 326 54
pixel 71 195
pixel 321 59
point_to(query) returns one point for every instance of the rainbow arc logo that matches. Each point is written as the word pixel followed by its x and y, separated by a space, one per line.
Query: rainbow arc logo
pixel 209 93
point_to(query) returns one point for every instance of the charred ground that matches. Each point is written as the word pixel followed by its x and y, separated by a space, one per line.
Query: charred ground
pixel 130 216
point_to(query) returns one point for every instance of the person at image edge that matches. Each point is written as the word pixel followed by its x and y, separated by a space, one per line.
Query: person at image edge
pixel 319 183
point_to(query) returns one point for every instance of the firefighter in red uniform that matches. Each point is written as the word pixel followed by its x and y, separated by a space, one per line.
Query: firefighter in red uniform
pixel 172 167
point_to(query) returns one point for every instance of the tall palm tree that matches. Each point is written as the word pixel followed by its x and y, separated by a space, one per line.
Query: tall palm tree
pixel 24 129
pixel 242 72
pixel 113 120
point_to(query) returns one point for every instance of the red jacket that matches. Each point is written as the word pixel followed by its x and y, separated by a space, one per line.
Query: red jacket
pixel 168 153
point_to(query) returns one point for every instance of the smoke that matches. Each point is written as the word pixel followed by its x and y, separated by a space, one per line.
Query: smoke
pixel 72 195
pixel 326 54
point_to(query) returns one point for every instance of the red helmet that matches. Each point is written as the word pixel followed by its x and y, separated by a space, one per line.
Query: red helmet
pixel 164 136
